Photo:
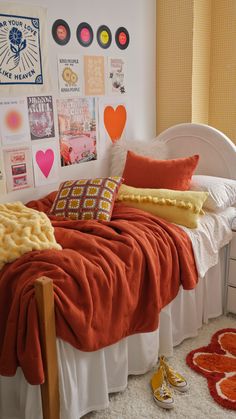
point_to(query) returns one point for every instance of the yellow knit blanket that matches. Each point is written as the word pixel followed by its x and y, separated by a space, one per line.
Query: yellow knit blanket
pixel 23 229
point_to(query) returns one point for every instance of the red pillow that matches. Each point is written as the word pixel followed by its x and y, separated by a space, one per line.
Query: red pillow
pixel 144 172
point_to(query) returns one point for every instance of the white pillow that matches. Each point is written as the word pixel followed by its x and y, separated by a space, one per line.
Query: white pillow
pixel 222 191
pixel 148 148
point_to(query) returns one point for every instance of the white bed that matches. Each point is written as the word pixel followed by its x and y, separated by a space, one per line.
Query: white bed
pixel 87 378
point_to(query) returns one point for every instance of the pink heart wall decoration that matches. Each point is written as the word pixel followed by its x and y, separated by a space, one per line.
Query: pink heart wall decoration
pixel 45 160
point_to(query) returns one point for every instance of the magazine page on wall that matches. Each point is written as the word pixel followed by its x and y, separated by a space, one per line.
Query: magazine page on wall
pixel 41 117
pixel 77 122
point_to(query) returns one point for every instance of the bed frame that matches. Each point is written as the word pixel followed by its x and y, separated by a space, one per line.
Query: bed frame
pixel 217 158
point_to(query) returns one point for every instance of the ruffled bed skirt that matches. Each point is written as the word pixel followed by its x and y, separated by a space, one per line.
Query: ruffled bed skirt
pixel 86 379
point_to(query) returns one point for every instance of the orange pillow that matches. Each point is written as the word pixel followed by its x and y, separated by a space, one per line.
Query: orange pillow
pixel 144 172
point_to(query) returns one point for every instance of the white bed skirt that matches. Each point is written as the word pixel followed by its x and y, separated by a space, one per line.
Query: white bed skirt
pixel 87 378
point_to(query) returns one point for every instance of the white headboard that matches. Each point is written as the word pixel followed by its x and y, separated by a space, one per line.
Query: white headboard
pixel 217 152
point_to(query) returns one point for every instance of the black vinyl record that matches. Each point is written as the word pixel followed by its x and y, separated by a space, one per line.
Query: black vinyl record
pixel 84 34
pixel 104 36
pixel 122 38
pixel 61 32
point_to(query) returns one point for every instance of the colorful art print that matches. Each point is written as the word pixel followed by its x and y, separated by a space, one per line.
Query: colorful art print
pixel 122 38
pixel 17 157
pixel 69 75
pixel 104 36
pixel 20 53
pixel 19 181
pixel 61 32
pixel 94 75
pixel 84 34
pixel 77 130
pixel 14 121
pixel 45 162
pixel 18 169
pixel 41 119
pixel 116 75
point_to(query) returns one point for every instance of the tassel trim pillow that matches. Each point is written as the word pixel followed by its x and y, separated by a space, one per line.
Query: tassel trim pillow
pixel 180 207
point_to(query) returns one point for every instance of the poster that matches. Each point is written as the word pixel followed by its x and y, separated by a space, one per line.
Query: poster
pixel 18 168
pixel 77 121
pixel 69 75
pixel 116 76
pixel 20 56
pixel 94 75
pixel 112 123
pixel 41 118
pixel 24 65
pixel 45 162
pixel 14 122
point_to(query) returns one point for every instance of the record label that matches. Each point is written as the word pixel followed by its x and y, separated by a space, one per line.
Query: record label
pixel 104 36
pixel 122 38
pixel 61 32
pixel 84 34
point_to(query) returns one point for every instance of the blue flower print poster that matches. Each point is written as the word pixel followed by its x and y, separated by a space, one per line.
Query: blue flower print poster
pixel 20 54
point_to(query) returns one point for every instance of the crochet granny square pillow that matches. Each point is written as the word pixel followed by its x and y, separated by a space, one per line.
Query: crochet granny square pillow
pixel 86 199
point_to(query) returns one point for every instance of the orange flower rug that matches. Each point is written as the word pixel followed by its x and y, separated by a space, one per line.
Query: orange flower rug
pixel 217 362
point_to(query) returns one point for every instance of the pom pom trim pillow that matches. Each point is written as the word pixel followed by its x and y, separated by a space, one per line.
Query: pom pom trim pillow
pixel 222 192
pixel 86 199
pixel 144 172
pixel 180 207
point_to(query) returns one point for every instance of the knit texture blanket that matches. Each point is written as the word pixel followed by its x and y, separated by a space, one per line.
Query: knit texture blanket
pixel 23 229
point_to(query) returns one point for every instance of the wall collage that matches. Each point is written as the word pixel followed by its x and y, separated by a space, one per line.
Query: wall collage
pixel 42 133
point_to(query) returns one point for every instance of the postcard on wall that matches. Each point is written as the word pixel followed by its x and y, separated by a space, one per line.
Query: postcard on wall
pixel 69 75
pixel 77 120
pixel 14 122
pixel 116 76
pixel 41 118
pixel 20 57
pixel 18 168
pixel 112 123
pixel 45 163
pixel 94 75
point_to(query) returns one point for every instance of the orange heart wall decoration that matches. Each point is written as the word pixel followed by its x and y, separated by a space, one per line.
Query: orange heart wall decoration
pixel 115 120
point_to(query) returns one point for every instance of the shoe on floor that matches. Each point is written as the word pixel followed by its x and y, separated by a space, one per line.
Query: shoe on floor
pixel 176 380
pixel 161 392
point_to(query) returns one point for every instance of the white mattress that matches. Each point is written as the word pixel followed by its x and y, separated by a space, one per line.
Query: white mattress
pixel 214 232
pixel 87 378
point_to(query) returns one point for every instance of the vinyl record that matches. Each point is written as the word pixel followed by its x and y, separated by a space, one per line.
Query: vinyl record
pixel 61 32
pixel 84 34
pixel 104 36
pixel 122 38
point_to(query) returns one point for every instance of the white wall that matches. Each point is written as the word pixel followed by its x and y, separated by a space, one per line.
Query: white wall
pixel 138 16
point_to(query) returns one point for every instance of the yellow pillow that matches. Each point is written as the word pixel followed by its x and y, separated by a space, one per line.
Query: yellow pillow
pixel 180 207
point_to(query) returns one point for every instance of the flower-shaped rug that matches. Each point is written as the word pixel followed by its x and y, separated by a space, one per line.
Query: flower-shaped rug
pixel 217 362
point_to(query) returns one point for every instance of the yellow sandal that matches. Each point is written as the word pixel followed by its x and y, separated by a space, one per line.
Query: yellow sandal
pixel 161 392
pixel 176 380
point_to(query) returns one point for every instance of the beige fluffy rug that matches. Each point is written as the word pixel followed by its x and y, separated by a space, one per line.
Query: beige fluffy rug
pixel 136 401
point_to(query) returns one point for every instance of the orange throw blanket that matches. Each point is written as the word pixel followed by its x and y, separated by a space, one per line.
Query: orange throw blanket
pixel 110 281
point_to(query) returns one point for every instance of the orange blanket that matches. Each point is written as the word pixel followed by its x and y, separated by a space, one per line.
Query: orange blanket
pixel 110 280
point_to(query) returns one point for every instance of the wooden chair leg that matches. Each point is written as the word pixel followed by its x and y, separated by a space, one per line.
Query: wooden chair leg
pixel 50 388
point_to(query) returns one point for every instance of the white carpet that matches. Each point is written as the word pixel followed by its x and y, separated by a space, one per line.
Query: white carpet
pixel 136 401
